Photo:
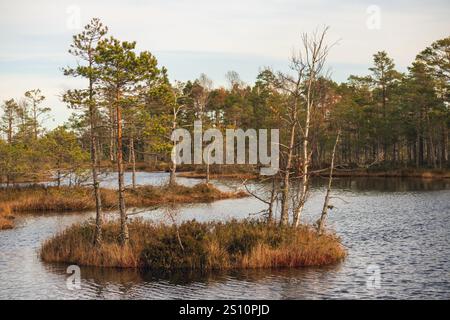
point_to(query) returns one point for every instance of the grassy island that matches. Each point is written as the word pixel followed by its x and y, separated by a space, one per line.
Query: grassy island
pixel 196 246
pixel 62 199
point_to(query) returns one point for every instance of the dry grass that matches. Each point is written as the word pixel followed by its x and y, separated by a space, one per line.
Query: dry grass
pixel 6 218
pixel 204 246
pixel 48 199
pixel 149 195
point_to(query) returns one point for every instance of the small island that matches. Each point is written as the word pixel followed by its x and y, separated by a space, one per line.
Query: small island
pixel 196 246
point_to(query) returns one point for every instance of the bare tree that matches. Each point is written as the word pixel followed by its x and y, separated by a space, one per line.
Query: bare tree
pixel 201 95
pixel 299 88
pixel 177 107
pixel 291 86
pixel 234 79
pixel 326 206
pixel 312 59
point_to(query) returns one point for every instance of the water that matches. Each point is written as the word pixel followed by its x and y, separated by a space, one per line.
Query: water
pixel 397 227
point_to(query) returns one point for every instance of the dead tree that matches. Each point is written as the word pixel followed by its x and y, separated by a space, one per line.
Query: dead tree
pixel 326 206
pixel 177 107
pixel 291 86
pixel 312 59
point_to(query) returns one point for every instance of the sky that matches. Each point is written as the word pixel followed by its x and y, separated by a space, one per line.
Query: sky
pixel 190 37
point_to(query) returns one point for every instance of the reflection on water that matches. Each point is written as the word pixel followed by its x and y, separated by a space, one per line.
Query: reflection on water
pixel 252 284
pixel 386 184
pixel 400 225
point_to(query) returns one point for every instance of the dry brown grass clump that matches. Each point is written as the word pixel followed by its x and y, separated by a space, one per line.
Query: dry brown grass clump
pixel 38 198
pixel 196 246
pixel 47 199
pixel 6 218
pixel 150 195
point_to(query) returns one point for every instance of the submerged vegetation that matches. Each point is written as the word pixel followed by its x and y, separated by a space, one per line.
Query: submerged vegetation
pixel 58 199
pixel 194 245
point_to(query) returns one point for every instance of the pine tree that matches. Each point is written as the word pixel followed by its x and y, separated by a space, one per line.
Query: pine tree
pixel 84 47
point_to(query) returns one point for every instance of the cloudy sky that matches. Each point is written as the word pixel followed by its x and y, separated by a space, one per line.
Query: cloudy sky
pixel 190 37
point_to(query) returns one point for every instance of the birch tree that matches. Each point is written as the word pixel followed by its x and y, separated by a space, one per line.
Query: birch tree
pixel 312 59
pixel 299 89
pixel 326 202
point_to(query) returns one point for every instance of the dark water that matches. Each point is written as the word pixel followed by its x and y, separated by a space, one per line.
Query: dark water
pixel 397 228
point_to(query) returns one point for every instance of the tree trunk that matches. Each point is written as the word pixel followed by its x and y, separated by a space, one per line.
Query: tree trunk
pixel 323 216
pixel 98 152
pixel 284 217
pixel 111 135
pixel 96 185
pixel 173 169
pixel 207 171
pixel 384 97
pixel 58 178
pixel 306 158
pixel 444 150
pixel 122 210
pixel 10 130
pixel 421 151
pixel 35 123
pixel 95 181
pixel 272 200
pixel 133 163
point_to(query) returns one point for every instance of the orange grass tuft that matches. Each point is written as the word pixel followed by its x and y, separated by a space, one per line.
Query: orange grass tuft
pixel 6 218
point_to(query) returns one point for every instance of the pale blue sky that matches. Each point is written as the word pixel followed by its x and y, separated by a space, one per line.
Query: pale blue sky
pixel 195 36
